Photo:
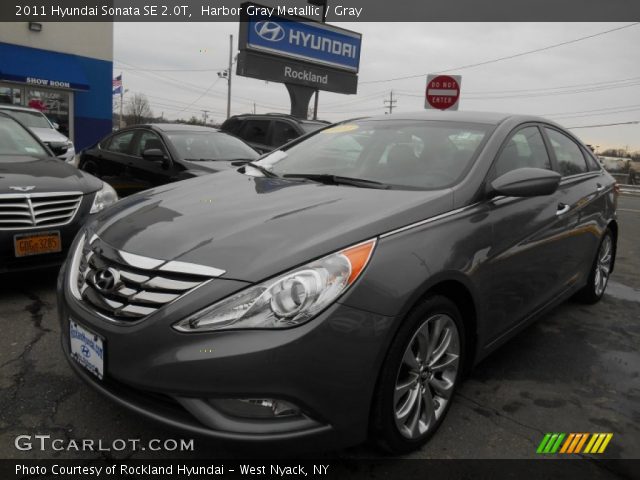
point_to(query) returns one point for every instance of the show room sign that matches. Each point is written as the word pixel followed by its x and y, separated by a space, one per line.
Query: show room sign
pixel 442 92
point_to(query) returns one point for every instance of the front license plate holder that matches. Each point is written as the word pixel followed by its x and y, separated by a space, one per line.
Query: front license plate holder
pixel 87 348
pixel 28 244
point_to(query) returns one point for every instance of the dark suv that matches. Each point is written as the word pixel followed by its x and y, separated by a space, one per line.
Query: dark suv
pixel 269 131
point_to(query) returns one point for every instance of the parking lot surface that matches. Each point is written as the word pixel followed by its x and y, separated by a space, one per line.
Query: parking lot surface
pixel 575 370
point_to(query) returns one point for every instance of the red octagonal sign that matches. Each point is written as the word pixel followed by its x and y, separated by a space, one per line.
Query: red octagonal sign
pixel 443 92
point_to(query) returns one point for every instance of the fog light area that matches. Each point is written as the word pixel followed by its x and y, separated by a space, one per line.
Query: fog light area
pixel 255 407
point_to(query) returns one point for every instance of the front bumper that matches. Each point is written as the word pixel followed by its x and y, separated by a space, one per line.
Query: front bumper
pixel 327 367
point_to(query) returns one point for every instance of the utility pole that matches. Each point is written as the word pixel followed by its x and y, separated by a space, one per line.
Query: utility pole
pixel 391 103
pixel 254 108
pixel 323 4
pixel 204 112
pixel 121 101
pixel 229 76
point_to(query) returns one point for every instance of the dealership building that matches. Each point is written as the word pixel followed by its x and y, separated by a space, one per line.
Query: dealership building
pixel 64 70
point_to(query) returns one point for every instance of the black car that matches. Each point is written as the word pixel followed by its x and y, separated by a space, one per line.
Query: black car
pixel 43 201
pixel 339 288
pixel 268 131
pixel 143 156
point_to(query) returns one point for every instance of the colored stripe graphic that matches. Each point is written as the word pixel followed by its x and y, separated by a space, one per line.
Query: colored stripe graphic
pixel 573 442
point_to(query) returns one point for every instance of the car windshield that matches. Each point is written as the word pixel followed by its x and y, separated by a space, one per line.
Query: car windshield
pixel 16 141
pixel 30 119
pixel 202 146
pixel 397 153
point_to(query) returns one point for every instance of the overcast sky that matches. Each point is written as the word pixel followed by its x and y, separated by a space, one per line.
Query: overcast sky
pixel 592 82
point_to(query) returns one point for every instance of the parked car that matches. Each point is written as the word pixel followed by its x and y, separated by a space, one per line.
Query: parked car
pixel 340 287
pixel 144 156
pixel 43 202
pixel 265 132
pixel 46 131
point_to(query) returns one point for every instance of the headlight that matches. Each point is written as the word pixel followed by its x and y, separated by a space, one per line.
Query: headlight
pixel 106 196
pixel 288 300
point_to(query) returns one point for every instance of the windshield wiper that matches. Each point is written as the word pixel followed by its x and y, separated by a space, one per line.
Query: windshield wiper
pixel 264 171
pixel 339 180
pixel 203 159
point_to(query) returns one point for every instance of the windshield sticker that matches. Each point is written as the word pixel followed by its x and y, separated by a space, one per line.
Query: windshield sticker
pixel 341 129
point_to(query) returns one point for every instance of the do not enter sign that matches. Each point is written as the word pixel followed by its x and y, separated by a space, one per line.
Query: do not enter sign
pixel 443 92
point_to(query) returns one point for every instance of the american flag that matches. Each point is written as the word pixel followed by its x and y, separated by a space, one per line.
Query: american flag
pixel 117 85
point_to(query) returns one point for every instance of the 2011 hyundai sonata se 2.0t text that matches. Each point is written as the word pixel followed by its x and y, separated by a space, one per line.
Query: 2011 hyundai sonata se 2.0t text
pixel 339 288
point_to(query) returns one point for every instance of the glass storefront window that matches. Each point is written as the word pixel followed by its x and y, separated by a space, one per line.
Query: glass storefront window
pixel 54 104
pixel 10 95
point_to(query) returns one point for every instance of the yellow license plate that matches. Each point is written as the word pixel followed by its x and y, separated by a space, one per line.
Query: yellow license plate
pixel 37 243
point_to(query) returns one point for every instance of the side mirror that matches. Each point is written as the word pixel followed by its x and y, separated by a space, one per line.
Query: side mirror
pixel 526 182
pixel 56 125
pixel 156 155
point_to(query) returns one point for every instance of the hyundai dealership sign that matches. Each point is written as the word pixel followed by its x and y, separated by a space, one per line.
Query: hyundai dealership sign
pixel 297 51
pixel 308 41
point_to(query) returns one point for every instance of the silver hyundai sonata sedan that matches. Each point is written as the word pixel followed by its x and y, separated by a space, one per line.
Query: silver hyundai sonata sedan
pixel 337 288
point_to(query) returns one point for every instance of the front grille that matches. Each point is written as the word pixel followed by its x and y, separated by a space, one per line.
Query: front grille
pixel 58 148
pixel 21 211
pixel 126 287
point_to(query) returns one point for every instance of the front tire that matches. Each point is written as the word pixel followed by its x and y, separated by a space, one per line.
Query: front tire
pixel 419 377
pixel 593 291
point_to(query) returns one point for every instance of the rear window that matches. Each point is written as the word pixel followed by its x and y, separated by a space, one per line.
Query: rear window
pixel 569 155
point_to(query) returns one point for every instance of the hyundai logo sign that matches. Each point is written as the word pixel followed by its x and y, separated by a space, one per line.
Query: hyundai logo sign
pixel 311 42
pixel 270 31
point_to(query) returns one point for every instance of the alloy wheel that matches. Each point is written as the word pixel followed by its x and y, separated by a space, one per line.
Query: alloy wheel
pixel 427 375
pixel 603 265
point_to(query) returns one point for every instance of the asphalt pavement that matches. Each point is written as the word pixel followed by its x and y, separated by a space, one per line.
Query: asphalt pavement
pixel 575 370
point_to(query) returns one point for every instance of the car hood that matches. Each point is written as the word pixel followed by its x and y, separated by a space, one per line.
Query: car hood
pixel 45 175
pixel 256 227
pixel 48 135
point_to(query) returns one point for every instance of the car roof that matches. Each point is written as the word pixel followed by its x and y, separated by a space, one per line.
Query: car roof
pixel 174 127
pixel 490 118
pixel 4 106
pixel 278 115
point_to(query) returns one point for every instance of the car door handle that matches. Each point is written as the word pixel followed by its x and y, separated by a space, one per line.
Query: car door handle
pixel 599 187
pixel 562 209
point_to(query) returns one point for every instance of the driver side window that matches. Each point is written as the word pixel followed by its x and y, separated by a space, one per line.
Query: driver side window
pixel 147 141
pixel 525 148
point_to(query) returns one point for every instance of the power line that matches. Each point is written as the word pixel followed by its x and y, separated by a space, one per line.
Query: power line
pixel 529 90
pixel 546 93
pixel 508 57
pixel 589 111
pixel 614 112
pixel 633 122
pixel 175 70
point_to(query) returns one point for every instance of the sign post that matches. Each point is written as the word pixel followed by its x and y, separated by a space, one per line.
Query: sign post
pixel 442 92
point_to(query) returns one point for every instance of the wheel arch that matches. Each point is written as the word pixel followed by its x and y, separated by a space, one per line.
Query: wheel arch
pixel 455 287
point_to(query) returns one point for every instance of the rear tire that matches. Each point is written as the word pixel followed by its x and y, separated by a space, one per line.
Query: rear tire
pixel 596 285
pixel 419 376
